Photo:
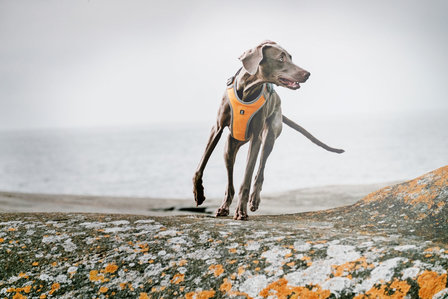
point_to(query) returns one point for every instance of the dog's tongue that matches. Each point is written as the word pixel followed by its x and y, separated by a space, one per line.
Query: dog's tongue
pixel 290 83
pixel 295 85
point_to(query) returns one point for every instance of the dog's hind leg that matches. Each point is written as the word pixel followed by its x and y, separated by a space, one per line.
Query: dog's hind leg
pixel 231 149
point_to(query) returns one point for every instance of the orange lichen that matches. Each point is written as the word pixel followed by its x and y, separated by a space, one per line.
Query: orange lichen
pixel 241 270
pixel 281 290
pixel 34 264
pixel 104 289
pixel 377 195
pixel 226 286
pixel 144 247
pixel 143 296
pixel 305 258
pixel 348 267
pixel 320 242
pixel 423 189
pixel 111 268
pixel 94 276
pixel 430 283
pixel 182 263
pixel 54 287
pixel 436 248
pixel 395 290
pixel 123 285
pixel 216 269
pixel 200 295
pixel 27 289
pixel 2 240
pixel 42 296
pixel 18 296
pixel 232 250
pixel 178 278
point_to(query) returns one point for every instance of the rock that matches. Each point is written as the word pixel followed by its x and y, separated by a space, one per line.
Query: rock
pixel 392 243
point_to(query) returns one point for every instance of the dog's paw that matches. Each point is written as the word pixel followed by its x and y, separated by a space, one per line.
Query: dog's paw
pixel 254 202
pixel 221 212
pixel 240 216
pixel 199 196
pixel 253 208
pixel 198 191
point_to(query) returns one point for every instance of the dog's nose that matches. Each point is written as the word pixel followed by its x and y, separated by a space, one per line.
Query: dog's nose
pixel 306 75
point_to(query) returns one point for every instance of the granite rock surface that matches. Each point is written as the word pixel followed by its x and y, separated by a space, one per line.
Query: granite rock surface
pixel 391 244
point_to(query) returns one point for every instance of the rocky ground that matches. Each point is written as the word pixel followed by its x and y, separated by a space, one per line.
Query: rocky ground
pixel 391 244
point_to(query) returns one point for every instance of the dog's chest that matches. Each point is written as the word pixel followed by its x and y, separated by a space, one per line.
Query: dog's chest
pixel 244 112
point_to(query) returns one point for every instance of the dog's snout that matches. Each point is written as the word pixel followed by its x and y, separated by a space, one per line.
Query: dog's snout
pixel 306 75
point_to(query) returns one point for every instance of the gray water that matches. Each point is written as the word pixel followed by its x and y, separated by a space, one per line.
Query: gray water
pixel 159 160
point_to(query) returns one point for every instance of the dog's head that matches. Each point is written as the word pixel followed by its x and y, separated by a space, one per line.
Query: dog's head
pixel 274 65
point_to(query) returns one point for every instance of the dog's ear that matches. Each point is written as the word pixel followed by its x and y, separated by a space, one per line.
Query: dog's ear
pixel 251 58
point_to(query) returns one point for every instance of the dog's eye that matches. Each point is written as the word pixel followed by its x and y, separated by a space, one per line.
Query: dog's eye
pixel 282 59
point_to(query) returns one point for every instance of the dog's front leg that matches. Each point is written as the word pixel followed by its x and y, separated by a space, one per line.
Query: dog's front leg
pixel 198 188
pixel 268 145
pixel 241 210
pixel 273 130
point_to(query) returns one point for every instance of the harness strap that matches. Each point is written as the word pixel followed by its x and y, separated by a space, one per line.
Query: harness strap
pixel 243 112
pixel 230 80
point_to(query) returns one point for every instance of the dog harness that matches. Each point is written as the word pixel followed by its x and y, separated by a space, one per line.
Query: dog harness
pixel 243 112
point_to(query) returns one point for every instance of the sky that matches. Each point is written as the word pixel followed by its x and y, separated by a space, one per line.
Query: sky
pixel 123 63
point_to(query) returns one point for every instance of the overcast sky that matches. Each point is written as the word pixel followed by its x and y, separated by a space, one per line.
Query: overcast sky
pixel 100 63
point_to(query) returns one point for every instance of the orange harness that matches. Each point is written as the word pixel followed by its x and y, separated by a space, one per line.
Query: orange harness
pixel 243 112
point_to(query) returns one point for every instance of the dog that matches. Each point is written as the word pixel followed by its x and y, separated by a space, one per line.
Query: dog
pixel 252 110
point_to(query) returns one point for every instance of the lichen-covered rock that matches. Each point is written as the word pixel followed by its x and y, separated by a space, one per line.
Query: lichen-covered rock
pixel 381 247
pixel 418 206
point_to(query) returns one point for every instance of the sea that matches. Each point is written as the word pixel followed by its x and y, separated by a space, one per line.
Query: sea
pixel 159 160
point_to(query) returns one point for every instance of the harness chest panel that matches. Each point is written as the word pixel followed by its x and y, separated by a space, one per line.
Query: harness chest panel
pixel 243 112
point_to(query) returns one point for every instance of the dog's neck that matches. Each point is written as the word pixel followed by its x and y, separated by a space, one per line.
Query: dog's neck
pixel 248 86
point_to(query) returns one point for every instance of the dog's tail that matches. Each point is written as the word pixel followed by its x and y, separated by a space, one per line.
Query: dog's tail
pixel 313 139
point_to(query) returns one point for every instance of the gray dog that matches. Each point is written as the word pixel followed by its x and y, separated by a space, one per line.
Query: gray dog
pixel 252 110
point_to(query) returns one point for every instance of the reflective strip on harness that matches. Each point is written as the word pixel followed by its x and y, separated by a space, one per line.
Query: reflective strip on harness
pixel 242 112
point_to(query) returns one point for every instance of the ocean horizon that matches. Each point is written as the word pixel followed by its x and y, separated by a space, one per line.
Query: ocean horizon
pixel 159 161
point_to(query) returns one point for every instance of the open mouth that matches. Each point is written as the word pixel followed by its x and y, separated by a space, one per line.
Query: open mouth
pixel 289 83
